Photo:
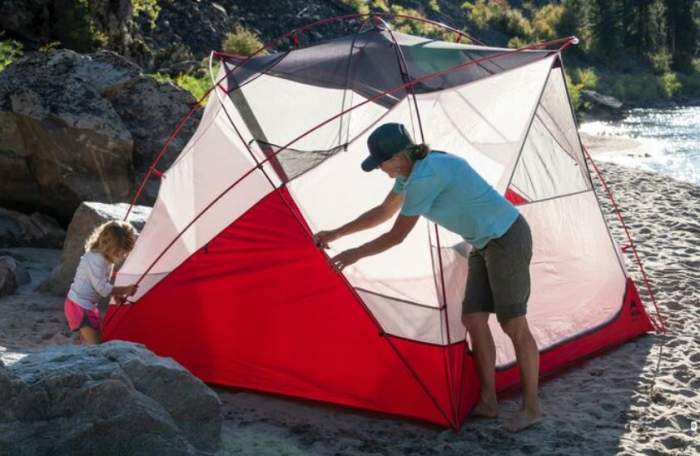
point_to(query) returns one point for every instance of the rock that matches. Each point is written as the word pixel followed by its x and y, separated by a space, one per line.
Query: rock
pixel 81 26
pixel 22 275
pixel 602 107
pixel 8 275
pixel 88 216
pixel 61 141
pixel 35 230
pixel 112 399
pixel 79 128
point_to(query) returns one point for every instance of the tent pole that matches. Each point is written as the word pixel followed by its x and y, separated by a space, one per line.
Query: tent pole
pixel 659 326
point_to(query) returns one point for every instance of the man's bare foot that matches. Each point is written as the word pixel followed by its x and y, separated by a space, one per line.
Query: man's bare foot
pixel 488 409
pixel 523 419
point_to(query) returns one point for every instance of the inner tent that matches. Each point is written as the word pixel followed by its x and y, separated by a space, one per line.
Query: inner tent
pixel 233 287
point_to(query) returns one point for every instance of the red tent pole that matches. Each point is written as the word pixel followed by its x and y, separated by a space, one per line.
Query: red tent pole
pixel 659 326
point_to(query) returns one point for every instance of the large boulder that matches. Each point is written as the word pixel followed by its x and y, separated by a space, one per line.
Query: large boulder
pixel 35 230
pixel 88 216
pixel 79 128
pixel 601 107
pixel 113 399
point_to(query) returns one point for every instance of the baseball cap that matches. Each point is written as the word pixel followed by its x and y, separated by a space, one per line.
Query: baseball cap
pixel 385 141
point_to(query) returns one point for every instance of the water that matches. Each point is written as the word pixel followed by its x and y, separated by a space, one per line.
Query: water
pixel 670 141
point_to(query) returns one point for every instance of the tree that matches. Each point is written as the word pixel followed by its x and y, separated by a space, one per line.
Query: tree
pixel 682 33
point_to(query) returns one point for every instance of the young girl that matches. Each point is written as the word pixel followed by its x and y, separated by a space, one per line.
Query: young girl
pixel 108 244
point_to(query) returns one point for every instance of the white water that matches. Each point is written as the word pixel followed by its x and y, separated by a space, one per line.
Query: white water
pixel 670 141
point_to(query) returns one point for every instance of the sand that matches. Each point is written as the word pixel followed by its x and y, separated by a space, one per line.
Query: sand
pixel 641 398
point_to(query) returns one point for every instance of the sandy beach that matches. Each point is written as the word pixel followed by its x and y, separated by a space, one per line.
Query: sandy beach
pixel 641 398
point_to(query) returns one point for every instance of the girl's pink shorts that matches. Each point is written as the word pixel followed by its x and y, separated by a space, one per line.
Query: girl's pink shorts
pixel 78 317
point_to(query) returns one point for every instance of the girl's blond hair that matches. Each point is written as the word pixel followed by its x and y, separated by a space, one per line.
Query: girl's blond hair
pixel 112 239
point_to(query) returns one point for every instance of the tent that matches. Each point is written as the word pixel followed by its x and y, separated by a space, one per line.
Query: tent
pixel 232 286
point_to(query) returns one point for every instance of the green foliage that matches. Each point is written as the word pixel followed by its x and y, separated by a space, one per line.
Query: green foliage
pixel 670 84
pixel 148 7
pixel 242 41
pixel 547 22
pixel 359 6
pixel 366 6
pixel 587 77
pixel 482 13
pixel 574 91
pixel 197 83
pixel 50 46
pixel 661 61
pixel 416 27
pixel 10 50
pixel 633 89
pixel 197 86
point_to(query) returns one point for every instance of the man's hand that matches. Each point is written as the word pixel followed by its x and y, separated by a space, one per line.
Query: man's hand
pixel 342 260
pixel 322 238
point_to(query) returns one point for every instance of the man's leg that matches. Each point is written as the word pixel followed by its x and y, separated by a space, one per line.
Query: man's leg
pixel 528 359
pixel 485 357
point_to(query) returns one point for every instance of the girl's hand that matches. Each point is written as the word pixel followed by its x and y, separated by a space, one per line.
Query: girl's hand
pixel 342 260
pixel 130 290
pixel 322 238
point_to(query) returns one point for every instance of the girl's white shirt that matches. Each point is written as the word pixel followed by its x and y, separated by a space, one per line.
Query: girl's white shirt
pixel 91 280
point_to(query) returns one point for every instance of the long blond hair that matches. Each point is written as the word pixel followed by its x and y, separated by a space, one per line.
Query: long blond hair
pixel 112 239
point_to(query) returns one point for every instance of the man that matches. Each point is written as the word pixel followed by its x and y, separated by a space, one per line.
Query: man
pixel 445 189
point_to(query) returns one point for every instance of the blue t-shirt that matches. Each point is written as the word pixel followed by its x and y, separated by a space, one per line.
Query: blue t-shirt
pixel 444 189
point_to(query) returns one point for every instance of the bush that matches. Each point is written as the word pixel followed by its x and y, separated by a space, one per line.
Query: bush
pixel 587 77
pixel 547 22
pixel 242 41
pixel 416 27
pixel 10 50
pixel 661 61
pixel 195 85
pixel 574 91
pixel 632 89
pixel 670 84
pixel 482 13
pixel 196 82
pixel 690 85
pixel 148 7
pixel 359 6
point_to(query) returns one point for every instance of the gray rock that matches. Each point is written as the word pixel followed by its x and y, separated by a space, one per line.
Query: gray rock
pixel 599 106
pixel 22 275
pixel 113 399
pixel 61 141
pixel 83 127
pixel 88 216
pixel 35 230
pixel 8 275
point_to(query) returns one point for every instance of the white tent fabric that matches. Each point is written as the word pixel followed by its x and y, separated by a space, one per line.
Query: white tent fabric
pixel 514 127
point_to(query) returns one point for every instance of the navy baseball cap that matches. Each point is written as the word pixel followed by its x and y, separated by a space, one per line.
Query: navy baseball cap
pixel 385 142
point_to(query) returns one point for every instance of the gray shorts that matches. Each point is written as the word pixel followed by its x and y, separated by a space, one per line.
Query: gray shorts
pixel 499 274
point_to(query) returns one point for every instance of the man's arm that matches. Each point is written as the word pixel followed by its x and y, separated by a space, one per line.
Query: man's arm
pixel 373 217
pixel 403 225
